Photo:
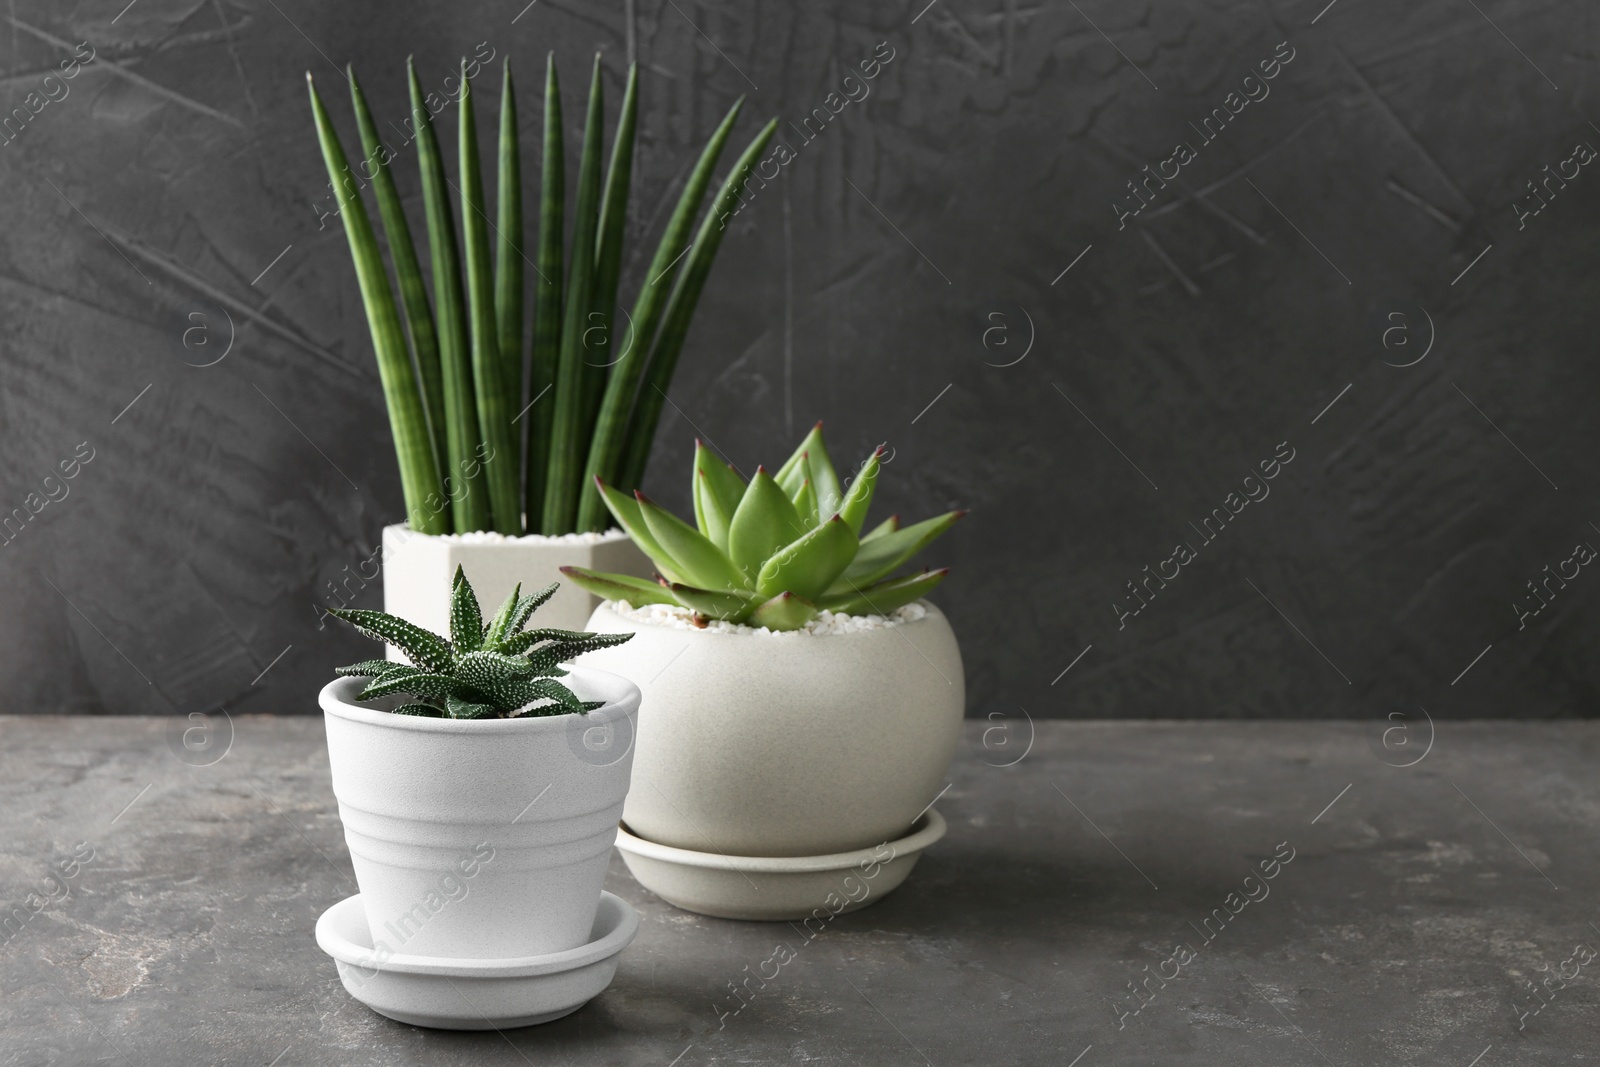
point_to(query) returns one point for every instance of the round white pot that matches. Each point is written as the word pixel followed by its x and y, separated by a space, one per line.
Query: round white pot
pixel 786 744
pixel 485 838
pixel 418 570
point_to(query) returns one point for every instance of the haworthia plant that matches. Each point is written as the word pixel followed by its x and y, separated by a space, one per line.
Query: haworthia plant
pixel 776 551
pixel 484 670
pixel 460 403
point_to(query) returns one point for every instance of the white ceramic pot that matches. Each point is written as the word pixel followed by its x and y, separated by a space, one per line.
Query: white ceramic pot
pixel 787 744
pixel 418 570
pixel 485 838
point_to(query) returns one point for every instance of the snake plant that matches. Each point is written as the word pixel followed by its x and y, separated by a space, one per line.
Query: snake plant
pixel 452 368
pixel 494 670
pixel 773 552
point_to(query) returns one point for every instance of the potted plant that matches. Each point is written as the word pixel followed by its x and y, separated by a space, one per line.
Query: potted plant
pixel 497 439
pixel 480 785
pixel 802 700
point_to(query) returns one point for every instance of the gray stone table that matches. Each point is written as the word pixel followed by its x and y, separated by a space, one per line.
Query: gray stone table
pixel 1419 904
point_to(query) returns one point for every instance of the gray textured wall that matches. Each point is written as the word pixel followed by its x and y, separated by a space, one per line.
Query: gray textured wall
pixel 944 268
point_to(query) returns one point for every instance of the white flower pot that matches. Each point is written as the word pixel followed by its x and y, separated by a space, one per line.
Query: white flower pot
pixel 482 838
pixel 418 570
pixel 786 744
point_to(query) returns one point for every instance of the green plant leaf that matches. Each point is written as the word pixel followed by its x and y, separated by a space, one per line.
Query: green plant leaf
pixel 884 553
pixel 796 469
pixel 550 689
pixel 709 513
pixel 887 526
pixel 463 477
pixel 420 478
pixel 610 448
pixel 570 432
pixel 809 564
pixel 625 509
pixel 547 300
pixel 408 272
pixel 545 660
pixel 686 289
pixel 428 651
pixel 858 498
pixel 466 709
pixel 805 504
pixel 426 711
pixel 636 591
pixel 763 522
pixel 509 259
pixel 697 560
pixel 786 611
pixel 413 681
pixel 729 605
pixel 490 388
pixel 886 596
pixel 368 668
pixel 500 625
pixel 527 606
pixel 466 617
pixel 724 480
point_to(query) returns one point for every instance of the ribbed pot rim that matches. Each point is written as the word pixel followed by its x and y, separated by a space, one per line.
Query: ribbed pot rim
pixel 338 699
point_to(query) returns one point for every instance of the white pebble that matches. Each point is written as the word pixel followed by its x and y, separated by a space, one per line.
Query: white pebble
pixel 676 617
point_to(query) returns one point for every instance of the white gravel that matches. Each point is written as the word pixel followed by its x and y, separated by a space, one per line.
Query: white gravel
pixel 489 537
pixel 679 618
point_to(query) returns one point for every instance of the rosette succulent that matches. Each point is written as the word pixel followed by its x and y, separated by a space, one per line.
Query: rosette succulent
pixel 773 552
pixel 494 670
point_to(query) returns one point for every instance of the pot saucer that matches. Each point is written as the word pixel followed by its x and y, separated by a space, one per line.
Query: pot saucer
pixel 475 994
pixel 776 887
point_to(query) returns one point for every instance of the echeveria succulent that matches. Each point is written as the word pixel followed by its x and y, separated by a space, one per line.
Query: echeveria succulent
pixel 496 670
pixel 773 552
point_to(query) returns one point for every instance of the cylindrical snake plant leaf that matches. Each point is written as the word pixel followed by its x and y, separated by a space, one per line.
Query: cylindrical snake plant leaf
pixel 881 555
pixel 701 563
pixel 488 377
pixel 680 311
pixel 612 426
pixel 469 505
pixel 786 611
pixel 570 432
pixel 764 522
pixel 886 596
pixel 547 301
pixel 808 565
pixel 408 272
pixel 509 258
pixel 420 479
pixel 635 591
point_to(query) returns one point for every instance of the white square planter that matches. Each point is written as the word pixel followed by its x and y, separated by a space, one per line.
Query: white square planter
pixel 418 569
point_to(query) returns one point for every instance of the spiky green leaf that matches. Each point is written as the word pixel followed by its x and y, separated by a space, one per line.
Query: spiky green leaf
pixel 636 591
pixel 886 596
pixel 428 651
pixel 881 555
pixel 858 498
pixel 808 565
pixel 763 522
pixel 698 560
pixel 466 617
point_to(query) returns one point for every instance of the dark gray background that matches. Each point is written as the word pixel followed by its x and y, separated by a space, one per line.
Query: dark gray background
pixel 191 551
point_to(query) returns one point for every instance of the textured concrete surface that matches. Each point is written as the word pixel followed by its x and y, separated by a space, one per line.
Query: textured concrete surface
pixel 912 277
pixel 1419 904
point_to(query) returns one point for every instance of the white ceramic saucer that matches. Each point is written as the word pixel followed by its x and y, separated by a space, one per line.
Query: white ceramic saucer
pixel 777 887
pixel 475 994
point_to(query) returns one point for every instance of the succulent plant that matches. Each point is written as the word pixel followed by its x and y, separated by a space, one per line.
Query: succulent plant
pixel 494 670
pixel 453 369
pixel 774 552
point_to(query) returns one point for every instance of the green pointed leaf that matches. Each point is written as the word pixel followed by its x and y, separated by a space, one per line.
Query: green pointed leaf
pixel 636 591
pixel 786 611
pixel 763 522
pixel 499 627
pixel 545 660
pixel 625 509
pixel 807 566
pixel 724 480
pixel 368 668
pixel 565 700
pixel 858 498
pixel 699 561
pixel 466 617
pixel 428 651
pixel 884 553
pixel 420 478
pixel 463 473
pixel 466 709
pixel 527 606
pixel 614 430
pixel 709 513
pixel 805 503
pixel 490 388
pixel 509 259
pixel 730 605
pixel 413 681
pixel 887 526
pixel 824 479
pixel 886 596
pixel 547 300
pixel 796 469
